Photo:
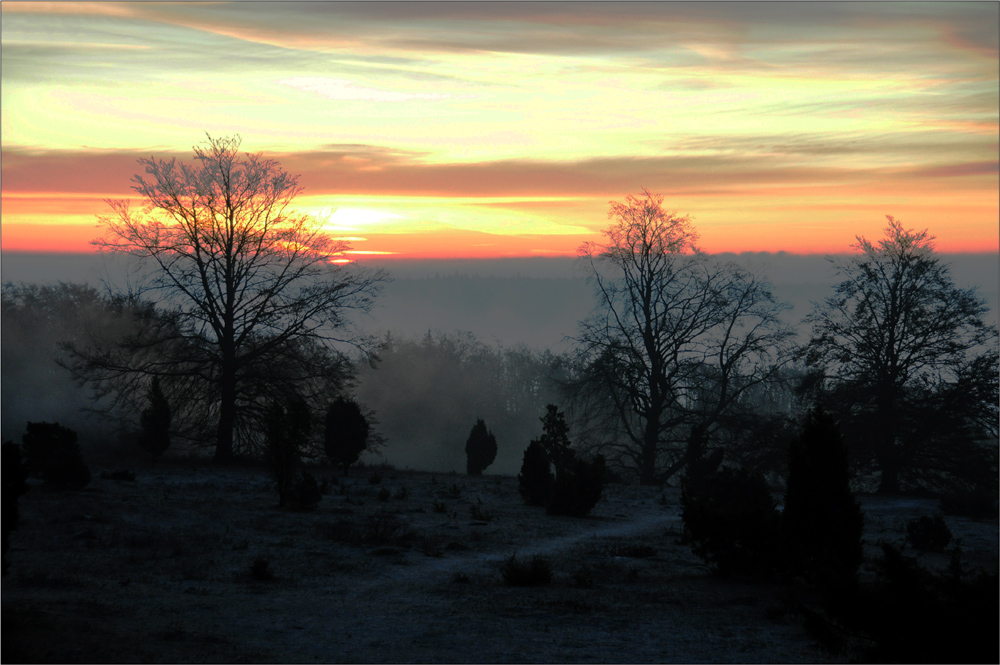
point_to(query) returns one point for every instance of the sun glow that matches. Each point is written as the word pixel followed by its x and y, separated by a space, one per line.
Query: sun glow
pixel 483 130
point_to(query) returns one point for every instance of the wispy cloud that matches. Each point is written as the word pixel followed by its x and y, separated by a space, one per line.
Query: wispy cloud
pixel 343 90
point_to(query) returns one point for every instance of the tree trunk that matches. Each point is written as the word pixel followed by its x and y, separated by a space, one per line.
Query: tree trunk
pixel 889 484
pixel 227 417
pixel 886 454
pixel 651 438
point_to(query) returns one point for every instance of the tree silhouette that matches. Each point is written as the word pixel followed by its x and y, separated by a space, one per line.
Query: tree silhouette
pixel 480 449
pixel 345 436
pixel 155 422
pixel 674 341
pixel 893 342
pixel 248 282
pixel 555 438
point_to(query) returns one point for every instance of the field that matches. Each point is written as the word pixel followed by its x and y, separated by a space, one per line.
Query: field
pixel 406 569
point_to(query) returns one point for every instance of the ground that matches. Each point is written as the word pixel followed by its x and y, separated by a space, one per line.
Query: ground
pixel 159 570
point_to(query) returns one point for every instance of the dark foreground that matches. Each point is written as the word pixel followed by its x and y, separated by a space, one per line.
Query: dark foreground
pixel 406 570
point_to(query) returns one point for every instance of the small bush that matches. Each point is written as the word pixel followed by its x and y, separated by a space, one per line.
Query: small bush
pixel 52 452
pixel 66 468
pixel 536 571
pixel 401 493
pixel 479 513
pixel 977 504
pixel 304 493
pixel 730 518
pixel 384 494
pixel 375 478
pixel 346 434
pixel 38 442
pixel 260 570
pixel 583 578
pixel 124 475
pixel 15 483
pixel 326 485
pixel 480 449
pixel 577 488
pixel 440 507
pixel 460 578
pixel 455 490
pixel 633 551
pixel 928 534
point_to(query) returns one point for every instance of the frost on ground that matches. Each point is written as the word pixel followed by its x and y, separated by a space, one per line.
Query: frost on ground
pixel 406 569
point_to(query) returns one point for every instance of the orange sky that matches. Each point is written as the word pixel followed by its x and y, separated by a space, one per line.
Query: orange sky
pixel 485 130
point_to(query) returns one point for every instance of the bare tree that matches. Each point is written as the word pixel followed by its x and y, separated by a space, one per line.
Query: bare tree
pixel 905 352
pixel 674 342
pixel 254 291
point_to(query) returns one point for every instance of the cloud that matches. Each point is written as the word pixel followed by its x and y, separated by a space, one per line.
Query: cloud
pixel 554 27
pixel 343 90
pixel 375 170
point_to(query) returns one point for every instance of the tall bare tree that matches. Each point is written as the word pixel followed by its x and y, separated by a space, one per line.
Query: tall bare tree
pixel 906 354
pixel 252 287
pixel 675 340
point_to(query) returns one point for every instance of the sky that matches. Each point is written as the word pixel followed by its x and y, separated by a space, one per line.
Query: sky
pixel 481 130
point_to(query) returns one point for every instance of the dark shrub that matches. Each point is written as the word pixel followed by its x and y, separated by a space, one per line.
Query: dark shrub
pixel 977 504
pixel 577 487
pixel 477 512
pixel 822 523
pixel 260 570
pixel 126 475
pixel 345 436
pixel 929 534
pixel 52 451
pixel 40 439
pixel 304 492
pixel 536 571
pixel 286 429
pixel 384 494
pixel 480 449
pixel 731 520
pixel 912 615
pixel 15 483
pixel 154 436
pixel 535 480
